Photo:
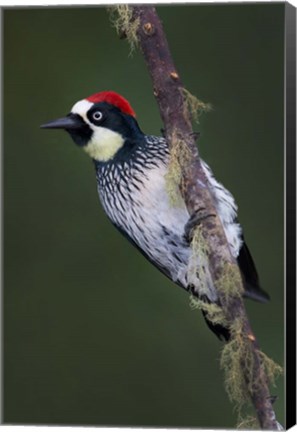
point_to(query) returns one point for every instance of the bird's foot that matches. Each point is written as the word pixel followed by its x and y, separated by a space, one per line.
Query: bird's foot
pixel 196 219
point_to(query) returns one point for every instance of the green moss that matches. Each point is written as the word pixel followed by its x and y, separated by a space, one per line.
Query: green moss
pixel 272 369
pixel 195 106
pixel 179 157
pixel 230 283
pixel 122 19
pixel 198 262
pixel 199 244
pixel 236 357
pixel 214 313
pixel 237 361
pixel 248 423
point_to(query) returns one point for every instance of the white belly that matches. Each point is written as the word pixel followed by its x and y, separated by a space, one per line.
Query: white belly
pixel 152 222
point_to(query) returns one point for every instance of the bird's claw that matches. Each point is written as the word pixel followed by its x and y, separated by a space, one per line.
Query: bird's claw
pixel 195 219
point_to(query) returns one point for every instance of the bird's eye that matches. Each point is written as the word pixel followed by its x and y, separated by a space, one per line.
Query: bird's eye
pixel 97 115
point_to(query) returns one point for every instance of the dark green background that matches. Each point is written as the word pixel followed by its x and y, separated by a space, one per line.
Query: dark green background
pixel 93 334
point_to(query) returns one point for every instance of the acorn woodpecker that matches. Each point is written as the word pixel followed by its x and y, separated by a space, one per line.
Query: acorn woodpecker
pixel 130 170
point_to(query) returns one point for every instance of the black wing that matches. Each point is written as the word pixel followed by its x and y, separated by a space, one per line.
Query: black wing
pixel 250 276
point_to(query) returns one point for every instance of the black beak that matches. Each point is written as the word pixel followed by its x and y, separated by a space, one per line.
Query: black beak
pixel 72 121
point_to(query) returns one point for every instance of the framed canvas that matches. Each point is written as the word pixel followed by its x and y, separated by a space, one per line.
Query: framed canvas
pixel 93 334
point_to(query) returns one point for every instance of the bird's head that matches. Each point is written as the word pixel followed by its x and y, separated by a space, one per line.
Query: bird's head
pixel 100 124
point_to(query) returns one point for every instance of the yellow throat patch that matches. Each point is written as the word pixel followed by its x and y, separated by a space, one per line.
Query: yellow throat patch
pixel 104 144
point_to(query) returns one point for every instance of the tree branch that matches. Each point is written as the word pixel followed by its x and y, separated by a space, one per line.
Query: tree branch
pixel 242 352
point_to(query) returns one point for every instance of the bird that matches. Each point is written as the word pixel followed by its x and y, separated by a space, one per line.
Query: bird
pixel 131 169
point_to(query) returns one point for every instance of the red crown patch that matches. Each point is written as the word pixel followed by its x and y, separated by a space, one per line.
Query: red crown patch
pixel 113 98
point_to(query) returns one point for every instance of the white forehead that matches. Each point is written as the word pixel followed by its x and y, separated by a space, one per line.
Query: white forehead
pixel 82 107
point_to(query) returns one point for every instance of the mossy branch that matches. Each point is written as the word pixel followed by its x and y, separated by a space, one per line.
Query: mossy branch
pixel 248 371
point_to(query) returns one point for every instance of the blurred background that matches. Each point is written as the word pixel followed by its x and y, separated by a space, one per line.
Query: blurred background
pixel 93 334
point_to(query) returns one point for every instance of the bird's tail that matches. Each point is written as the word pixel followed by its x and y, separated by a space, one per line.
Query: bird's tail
pixel 223 333
pixel 250 276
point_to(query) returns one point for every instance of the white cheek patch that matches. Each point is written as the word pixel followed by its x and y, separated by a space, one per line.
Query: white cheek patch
pixel 104 142
pixel 81 108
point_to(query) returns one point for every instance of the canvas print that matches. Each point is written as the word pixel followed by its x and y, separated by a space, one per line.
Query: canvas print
pixel 147 162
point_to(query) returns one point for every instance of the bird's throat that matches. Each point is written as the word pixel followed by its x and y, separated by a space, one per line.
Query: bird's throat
pixel 104 144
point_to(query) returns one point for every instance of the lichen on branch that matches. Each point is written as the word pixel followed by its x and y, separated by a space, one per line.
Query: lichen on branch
pixel 179 157
pixel 248 423
pixel 194 105
pixel 238 363
pixel 121 17
pixel 214 313
pixel 229 284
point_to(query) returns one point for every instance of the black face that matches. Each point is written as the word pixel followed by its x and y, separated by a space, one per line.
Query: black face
pixel 99 115
pixel 82 133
